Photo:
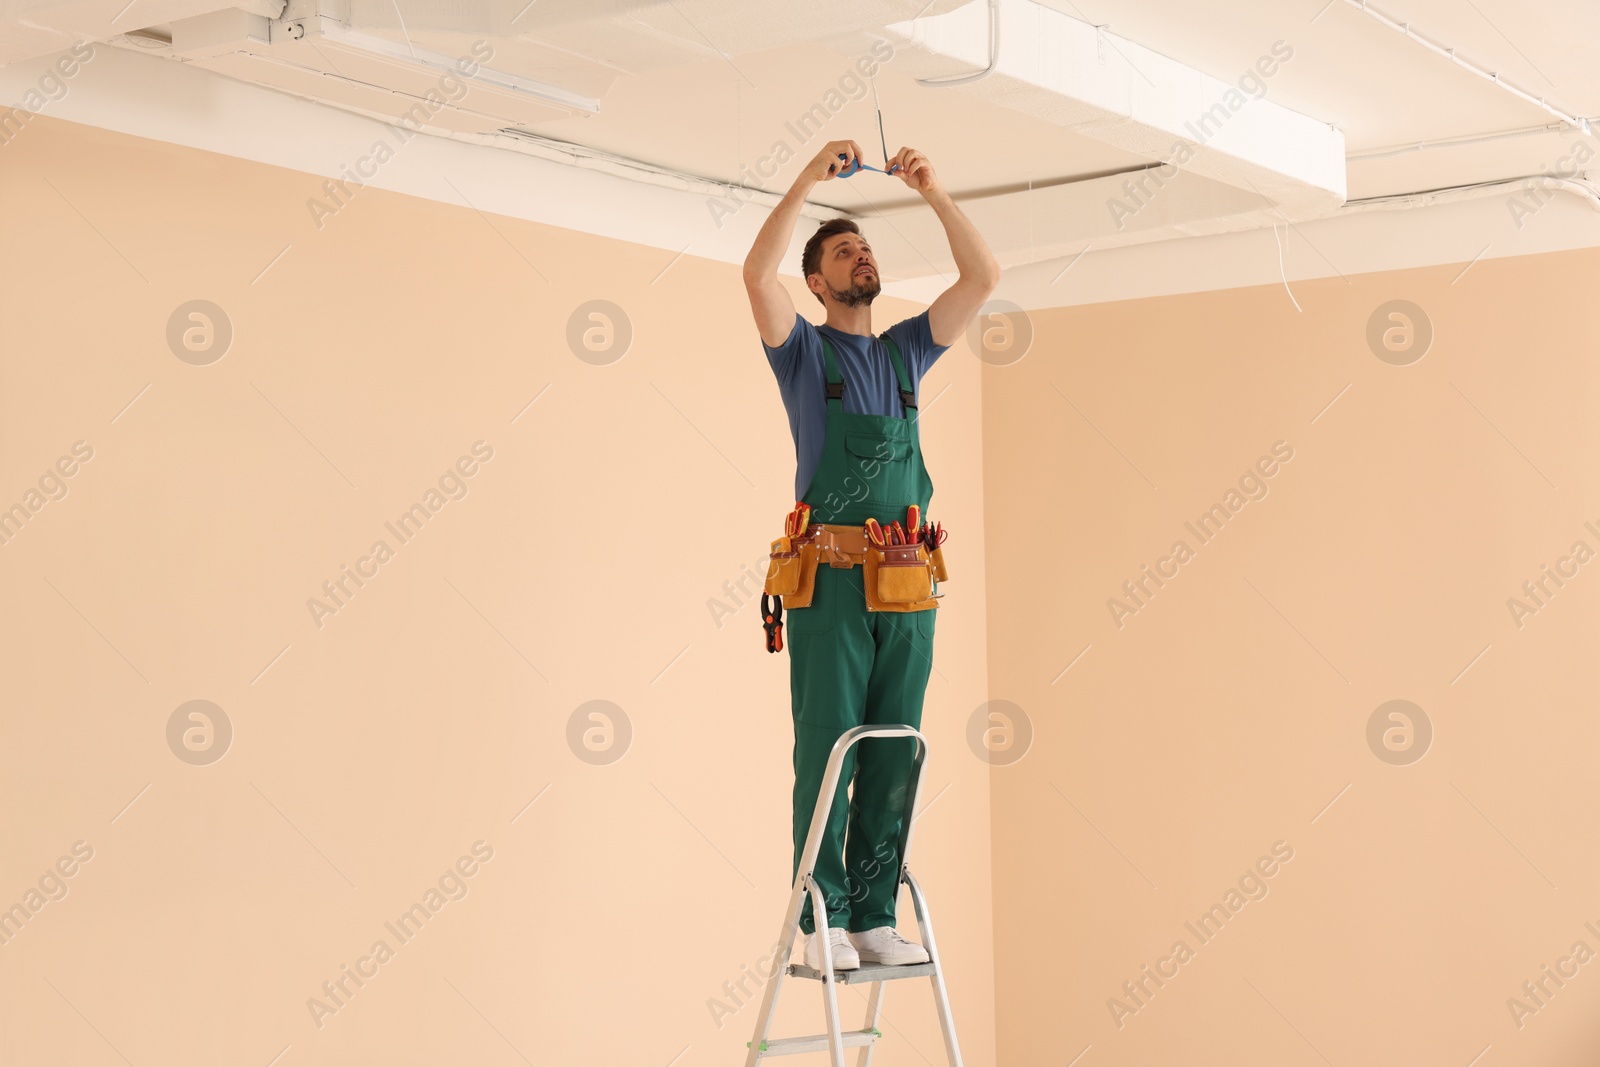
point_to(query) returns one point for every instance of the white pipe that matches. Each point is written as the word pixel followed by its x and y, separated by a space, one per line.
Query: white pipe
pixel 1450 54
pixel 339 33
pixel 1454 142
pixel 1580 186
pixel 585 158
pixel 581 156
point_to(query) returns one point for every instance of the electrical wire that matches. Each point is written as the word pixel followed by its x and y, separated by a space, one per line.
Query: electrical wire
pixel 1281 273
pixel 879 107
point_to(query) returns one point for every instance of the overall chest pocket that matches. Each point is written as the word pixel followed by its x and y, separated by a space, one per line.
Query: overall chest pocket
pixel 866 448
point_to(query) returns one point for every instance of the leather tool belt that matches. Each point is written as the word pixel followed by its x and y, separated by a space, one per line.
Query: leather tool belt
pixel 894 577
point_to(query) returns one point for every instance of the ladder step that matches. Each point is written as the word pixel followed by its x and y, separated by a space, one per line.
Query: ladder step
pixel 868 972
pixel 789 1046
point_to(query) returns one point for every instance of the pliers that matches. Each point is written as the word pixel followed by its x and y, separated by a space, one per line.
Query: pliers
pixel 772 622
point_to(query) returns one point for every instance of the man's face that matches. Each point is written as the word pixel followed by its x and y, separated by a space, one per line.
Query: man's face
pixel 849 270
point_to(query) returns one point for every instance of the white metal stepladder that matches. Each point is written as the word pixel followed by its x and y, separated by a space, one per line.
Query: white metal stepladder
pixel 836 1041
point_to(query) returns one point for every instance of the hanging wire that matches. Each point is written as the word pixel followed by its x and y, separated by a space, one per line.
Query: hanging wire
pixel 1281 273
pixel 879 108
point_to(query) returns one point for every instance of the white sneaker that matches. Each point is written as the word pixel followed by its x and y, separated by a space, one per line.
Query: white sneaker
pixel 883 944
pixel 844 953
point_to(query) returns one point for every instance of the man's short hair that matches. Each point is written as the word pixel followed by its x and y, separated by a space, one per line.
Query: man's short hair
pixel 811 258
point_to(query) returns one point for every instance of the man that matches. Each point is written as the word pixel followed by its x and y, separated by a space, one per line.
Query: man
pixel 858 456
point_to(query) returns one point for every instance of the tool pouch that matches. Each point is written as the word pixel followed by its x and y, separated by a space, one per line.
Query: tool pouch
pixel 937 560
pixel 792 570
pixel 898 577
pixel 801 597
pixel 783 568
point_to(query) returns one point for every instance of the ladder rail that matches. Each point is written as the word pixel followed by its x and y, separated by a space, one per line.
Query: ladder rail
pixel 913 794
pixel 941 996
pixel 780 964
pixel 903 851
pixel 874 1011
pixel 830 988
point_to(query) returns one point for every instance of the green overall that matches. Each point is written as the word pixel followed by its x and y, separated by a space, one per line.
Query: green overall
pixel 849 666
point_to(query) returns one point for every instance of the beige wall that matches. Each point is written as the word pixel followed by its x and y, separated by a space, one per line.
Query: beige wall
pixel 1230 713
pixel 371 752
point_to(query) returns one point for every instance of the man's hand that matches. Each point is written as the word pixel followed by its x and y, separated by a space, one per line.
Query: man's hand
pixel 827 164
pixel 915 170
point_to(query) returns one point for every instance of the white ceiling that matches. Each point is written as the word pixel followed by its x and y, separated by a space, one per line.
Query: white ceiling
pixel 688 95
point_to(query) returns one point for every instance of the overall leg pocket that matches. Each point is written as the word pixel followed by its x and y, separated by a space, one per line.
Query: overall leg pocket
pixel 818 614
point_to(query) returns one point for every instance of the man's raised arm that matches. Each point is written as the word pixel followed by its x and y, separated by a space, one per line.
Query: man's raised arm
pixel 952 311
pixel 769 300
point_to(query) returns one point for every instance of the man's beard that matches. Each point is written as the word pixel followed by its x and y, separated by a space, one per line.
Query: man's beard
pixel 863 289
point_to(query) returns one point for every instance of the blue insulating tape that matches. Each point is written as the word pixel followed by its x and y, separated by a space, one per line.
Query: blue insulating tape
pixel 860 166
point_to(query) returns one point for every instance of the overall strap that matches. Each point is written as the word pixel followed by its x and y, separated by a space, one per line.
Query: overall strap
pixel 908 396
pixel 831 370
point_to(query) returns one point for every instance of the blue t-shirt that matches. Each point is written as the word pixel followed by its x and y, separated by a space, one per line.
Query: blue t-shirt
pixel 871 387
